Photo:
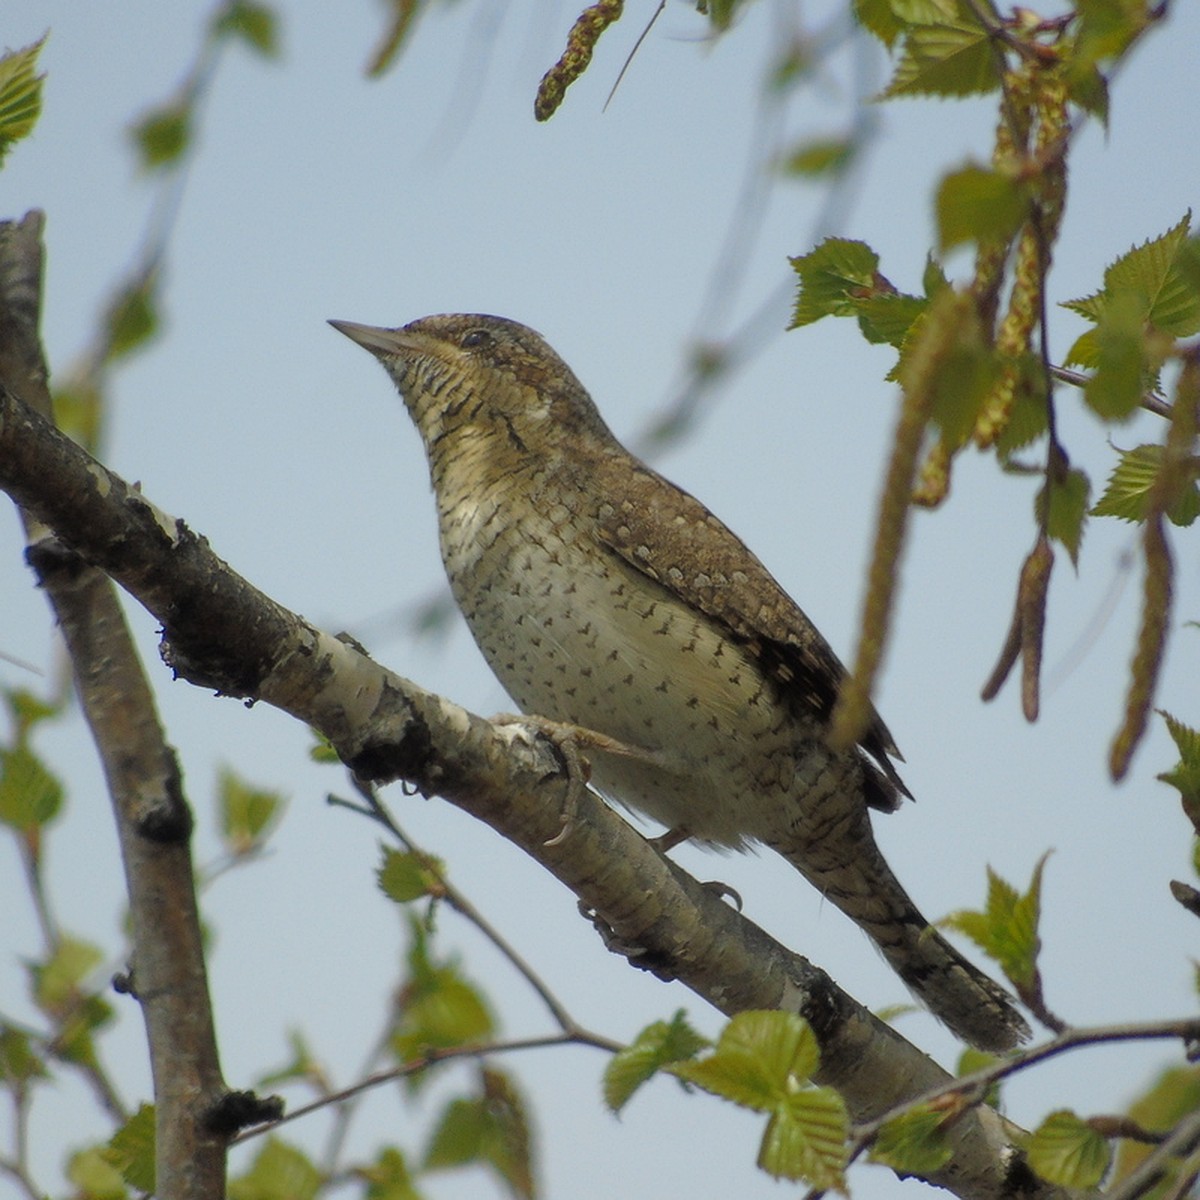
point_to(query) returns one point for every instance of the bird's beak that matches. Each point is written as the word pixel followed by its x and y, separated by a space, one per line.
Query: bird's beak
pixel 373 337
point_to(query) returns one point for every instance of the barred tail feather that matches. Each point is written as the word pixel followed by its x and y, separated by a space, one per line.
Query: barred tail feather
pixel 862 885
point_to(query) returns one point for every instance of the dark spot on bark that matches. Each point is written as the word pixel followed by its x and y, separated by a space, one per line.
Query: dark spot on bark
pixel 408 757
pixel 236 1110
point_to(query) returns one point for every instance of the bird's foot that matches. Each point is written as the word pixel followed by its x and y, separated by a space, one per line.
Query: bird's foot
pixel 666 842
pixel 588 739
pixel 672 838
pixel 608 935
pixel 723 891
pixel 637 956
pixel 567 741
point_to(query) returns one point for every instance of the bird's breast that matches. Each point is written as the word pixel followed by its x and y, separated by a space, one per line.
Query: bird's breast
pixel 576 634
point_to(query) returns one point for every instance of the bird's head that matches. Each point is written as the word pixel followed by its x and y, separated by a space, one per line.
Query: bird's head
pixel 482 380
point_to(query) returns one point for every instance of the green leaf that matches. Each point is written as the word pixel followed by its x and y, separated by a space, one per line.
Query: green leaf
pixel 877 17
pixel 457 1138
pixel 94 1177
pixel 388 1177
pixel 1152 272
pixel 1066 1151
pixel 1120 352
pixel 1158 278
pixel 763 1061
pixel 927 12
pixel 79 409
pixel 795 63
pixel 247 814
pixel 20 95
pixel 447 1011
pixel 818 157
pixel 19 1065
pixel 1007 930
pixel 57 982
pixel 438 1007
pixel 655 1047
pixel 404 877
pixel 131 1149
pixel 888 19
pixel 1068 510
pixel 951 59
pixel 163 135
pixel 1108 27
pixel 1185 774
pixel 933 278
pixel 279 1172
pixel 30 797
pixel 760 1059
pixel 962 374
pixel 961 381
pixel 913 1143
pixel 322 750
pixel 1027 420
pixel 1087 87
pixel 28 710
pixel 978 204
pixel 491 1129
pixel 255 24
pixel 833 277
pixel 132 317
pixel 805 1139
pixel 1174 1096
pixel 508 1148
pixel 972 1060
pixel 888 317
pixel 1129 486
pixel 720 12
pixel 75 1042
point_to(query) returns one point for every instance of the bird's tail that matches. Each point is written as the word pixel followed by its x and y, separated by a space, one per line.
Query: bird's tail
pixel 851 871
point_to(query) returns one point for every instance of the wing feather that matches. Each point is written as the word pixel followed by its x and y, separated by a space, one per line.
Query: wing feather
pixel 669 536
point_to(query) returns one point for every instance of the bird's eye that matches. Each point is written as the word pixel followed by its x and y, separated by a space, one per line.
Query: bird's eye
pixel 474 337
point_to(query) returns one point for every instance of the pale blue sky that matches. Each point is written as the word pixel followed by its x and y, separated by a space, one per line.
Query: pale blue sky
pixel 316 194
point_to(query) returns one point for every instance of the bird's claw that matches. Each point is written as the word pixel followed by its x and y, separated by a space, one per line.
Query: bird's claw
pixel 723 892
pixel 566 741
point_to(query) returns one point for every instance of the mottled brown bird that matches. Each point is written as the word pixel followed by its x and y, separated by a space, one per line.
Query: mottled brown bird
pixel 604 596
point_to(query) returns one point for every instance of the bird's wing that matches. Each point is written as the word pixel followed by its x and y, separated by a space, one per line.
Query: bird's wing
pixel 669 536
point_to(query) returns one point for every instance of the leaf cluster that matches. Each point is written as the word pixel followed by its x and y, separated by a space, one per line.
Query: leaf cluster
pixel 973 361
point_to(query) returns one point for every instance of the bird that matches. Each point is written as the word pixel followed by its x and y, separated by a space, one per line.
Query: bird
pixel 606 598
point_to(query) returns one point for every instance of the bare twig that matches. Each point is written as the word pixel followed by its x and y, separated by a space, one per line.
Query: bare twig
pixel 1151 401
pixel 1183 1139
pixel 458 900
pixel 430 1058
pixel 975 1085
pixel 374 808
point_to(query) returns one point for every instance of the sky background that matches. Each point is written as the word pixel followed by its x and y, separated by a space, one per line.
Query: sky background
pixel 315 194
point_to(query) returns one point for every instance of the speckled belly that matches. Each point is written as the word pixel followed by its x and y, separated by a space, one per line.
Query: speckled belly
pixel 575 634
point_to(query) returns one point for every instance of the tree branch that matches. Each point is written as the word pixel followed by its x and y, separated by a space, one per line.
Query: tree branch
pixel 153 820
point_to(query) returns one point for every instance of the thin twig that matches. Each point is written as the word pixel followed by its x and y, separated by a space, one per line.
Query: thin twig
pixel 457 900
pixel 636 47
pixel 1151 401
pixel 1150 1170
pixel 976 1084
pixel 428 1059
pixel 17 1172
